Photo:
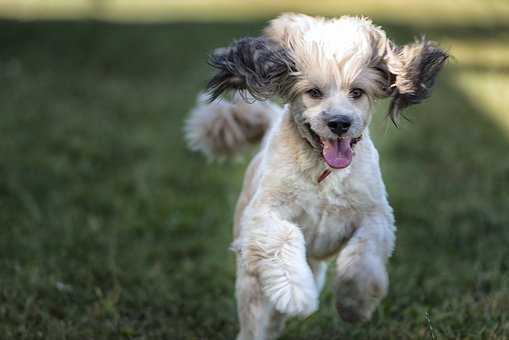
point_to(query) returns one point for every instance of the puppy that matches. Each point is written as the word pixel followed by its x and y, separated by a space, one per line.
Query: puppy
pixel 314 190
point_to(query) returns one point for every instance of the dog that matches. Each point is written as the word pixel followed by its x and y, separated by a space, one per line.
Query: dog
pixel 314 190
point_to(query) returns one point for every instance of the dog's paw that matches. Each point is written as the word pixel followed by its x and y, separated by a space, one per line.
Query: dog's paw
pixel 359 290
pixel 294 298
pixel 291 293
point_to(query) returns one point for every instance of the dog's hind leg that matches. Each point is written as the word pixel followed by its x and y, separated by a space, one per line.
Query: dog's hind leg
pixel 319 269
pixel 257 316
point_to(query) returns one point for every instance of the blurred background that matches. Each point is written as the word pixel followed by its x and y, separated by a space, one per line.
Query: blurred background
pixel 111 229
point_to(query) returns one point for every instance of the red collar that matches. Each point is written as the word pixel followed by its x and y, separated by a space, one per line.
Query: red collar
pixel 324 175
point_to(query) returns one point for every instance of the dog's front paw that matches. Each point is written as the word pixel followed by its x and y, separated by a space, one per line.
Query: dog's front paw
pixel 280 262
pixel 292 295
pixel 294 298
pixel 359 290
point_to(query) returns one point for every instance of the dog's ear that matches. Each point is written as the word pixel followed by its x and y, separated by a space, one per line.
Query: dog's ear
pixel 412 71
pixel 258 65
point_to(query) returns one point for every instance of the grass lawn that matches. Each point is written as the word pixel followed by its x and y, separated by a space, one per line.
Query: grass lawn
pixel 111 229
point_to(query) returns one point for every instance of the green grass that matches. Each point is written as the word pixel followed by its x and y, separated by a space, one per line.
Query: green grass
pixel 111 229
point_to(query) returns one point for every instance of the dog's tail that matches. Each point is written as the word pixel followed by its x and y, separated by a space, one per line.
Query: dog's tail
pixel 223 128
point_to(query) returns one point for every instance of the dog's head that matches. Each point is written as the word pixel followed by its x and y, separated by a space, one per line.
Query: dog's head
pixel 330 72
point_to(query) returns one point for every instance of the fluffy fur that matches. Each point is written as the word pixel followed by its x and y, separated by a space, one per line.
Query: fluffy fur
pixel 286 223
pixel 221 129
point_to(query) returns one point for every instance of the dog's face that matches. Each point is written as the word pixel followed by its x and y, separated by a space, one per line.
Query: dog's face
pixel 332 111
pixel 330 72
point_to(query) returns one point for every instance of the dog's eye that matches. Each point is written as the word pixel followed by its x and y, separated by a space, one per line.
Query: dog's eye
pixel 356 93
pixel 315 93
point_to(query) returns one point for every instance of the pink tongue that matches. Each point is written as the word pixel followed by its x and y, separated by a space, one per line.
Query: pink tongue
pixel 337 152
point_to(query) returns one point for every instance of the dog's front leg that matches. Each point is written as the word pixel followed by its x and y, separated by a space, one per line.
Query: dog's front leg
pixel 361 278
pixel 275 251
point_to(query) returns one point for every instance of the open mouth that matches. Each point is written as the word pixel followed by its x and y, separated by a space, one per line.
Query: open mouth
pixel 337 153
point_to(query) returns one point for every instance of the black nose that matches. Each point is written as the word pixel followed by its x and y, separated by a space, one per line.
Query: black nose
pixel 339 124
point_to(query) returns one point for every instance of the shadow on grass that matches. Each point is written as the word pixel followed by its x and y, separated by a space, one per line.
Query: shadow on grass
pixel 111 229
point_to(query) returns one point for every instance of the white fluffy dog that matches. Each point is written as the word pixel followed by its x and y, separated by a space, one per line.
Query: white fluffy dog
pixel 314 190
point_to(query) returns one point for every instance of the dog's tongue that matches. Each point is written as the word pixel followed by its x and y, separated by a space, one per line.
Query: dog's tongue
pixel 337 152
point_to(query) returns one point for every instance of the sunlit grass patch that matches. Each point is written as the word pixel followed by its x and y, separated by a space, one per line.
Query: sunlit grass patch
pixel 490 92
pixel 481 70
pixel 413 12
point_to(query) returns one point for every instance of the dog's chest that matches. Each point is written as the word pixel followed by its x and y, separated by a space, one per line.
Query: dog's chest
pixel 328 217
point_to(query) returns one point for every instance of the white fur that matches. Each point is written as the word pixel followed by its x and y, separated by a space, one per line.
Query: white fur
pixel 292 221
pixel 287 224
pixel 222 128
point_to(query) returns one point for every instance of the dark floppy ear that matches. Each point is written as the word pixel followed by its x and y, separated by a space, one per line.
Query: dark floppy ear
pixel 259 65
pixel 413 69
